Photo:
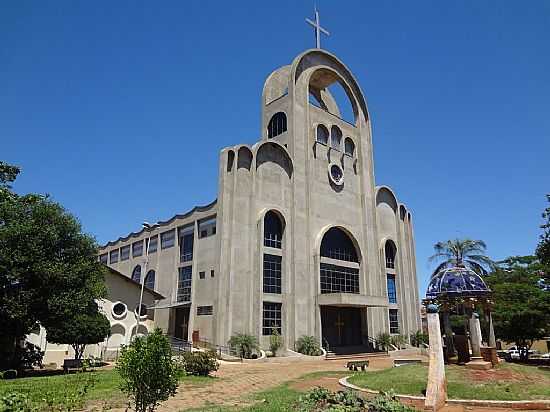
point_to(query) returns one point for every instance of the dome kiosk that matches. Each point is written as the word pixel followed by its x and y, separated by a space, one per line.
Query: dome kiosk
pixel 461 292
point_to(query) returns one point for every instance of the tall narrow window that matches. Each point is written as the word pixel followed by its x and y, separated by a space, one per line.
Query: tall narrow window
pixel 113 256
pixel 277 125
pixel 272 274
pixel 125 253
pixel 349 147
pixel 389 250
pixel 150 279
pixel 394 321
pixel 322 134
pixel 186 237
pixel 184 284
pixel 335 137
pixel 137 248
pixel 136 274
pixel 153 244
pixel 273 230
pixel 271 318
pixel 392 293
pixel 167 239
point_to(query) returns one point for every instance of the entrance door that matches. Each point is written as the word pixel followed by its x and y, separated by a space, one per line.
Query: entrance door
pixel 181 324
pixel 341 326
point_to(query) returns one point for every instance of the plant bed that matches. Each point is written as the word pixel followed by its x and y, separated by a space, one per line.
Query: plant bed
pixel 505 383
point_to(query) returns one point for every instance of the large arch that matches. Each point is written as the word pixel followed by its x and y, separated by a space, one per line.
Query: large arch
pixel 275 153
pixel 385 195
pixel 117 336
pixel 321 59
pixel 244 158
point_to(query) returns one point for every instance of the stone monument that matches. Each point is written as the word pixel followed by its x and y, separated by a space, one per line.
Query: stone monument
pixel 436 391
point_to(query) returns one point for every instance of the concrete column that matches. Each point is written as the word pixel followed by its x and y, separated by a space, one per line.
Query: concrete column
pixel 436 391
pixel 492 340
pixel 475 335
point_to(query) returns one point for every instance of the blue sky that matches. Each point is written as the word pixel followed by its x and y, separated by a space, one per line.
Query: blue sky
pixel 100 101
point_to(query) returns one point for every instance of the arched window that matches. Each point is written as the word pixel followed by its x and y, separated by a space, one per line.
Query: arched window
pixel 136 274
pixel 322 134
pixel 273 230
pixel 335 137
pixel 337 245
pixel 349 146
pixel 150 280
pixel 389 251
pixel 334 277
pixel 277 125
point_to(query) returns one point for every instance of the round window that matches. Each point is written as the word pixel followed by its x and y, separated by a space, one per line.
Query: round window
pixel 336 174
pixel 142 311
pixel 119 309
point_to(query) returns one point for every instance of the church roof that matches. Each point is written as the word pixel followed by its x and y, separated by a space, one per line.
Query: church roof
pixel 456 282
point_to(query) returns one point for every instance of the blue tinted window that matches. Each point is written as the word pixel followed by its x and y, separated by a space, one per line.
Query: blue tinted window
pixel 392 294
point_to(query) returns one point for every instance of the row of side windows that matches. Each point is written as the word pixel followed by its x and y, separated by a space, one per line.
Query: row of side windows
pixel 207 227
pixel 322 136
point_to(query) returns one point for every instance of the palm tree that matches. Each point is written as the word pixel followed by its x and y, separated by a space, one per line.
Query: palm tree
pixel 462 253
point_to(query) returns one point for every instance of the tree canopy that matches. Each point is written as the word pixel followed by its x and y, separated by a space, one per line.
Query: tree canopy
pixel 462 252
pixel 521 312
pixel 48 266
pixel 543 248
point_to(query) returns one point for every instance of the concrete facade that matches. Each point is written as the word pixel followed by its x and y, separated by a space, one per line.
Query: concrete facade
pixel 322 191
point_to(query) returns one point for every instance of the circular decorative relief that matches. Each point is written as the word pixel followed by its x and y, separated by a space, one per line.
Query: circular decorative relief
pixel 142 312
pixel 336 174
pixel 119 310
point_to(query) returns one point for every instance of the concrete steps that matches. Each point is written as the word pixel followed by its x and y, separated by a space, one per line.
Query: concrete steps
pixel 352 356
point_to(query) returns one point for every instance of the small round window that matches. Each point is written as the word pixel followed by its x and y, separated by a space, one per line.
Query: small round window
pixel 119 309
pixel 336 174
pixel 142 310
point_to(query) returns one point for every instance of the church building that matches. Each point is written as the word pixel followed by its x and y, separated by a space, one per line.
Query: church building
pixel 300 239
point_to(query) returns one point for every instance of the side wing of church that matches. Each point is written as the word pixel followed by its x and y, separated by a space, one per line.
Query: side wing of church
pixel 300 238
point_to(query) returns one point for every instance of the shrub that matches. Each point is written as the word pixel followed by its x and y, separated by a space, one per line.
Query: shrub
pixel 384 340
pixel 275 342
pixel 320 399
pixel 308 345
pixel 16 402
pixel 418 338
pixel 149 374
pixel 199 363
pixel 398 341
pixel 244 344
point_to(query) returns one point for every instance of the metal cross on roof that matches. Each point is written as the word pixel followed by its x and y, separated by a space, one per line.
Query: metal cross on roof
pixel 318 29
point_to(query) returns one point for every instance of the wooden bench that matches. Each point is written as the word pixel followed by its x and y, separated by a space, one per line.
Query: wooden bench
pixel 71 364
pixel 401 362
pixel 355 365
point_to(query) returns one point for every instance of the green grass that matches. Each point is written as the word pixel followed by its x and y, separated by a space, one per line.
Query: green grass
pixel 59 389
pixel 509 382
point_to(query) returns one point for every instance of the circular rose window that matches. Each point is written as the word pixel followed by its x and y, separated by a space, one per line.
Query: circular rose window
pixel 336 174
pixel 119 310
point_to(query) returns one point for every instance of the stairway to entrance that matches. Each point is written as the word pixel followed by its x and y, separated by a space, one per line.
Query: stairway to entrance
pixel 353 352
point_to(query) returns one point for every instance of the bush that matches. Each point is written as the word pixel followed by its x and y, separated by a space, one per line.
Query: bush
pixel 199 363
pixel 149 374
pixel 275 342
pixel 16 402
pixel 418 338
pixel 384 340
pixel 320 399
pixel 398 341
pixel 308 345
pixel 244 345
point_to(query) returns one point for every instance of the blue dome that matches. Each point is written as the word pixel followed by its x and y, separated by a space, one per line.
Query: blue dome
pixel 456 282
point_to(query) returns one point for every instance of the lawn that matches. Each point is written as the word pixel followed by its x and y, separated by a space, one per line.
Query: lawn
pixel 66 391
pixel 508 382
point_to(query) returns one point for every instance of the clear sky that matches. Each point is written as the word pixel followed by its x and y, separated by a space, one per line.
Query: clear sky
pixel 119 109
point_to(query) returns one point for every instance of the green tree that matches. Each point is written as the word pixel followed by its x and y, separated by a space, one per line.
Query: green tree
pixel 80 329
pixel 149 374
pixel 275 341
pixel 543 248
pixel 463 253
pixel 521 311
pixel 48 267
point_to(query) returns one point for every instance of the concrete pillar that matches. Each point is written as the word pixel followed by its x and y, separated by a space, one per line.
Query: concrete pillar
pixel 475 335
pixel 492 340
pixel 436 391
